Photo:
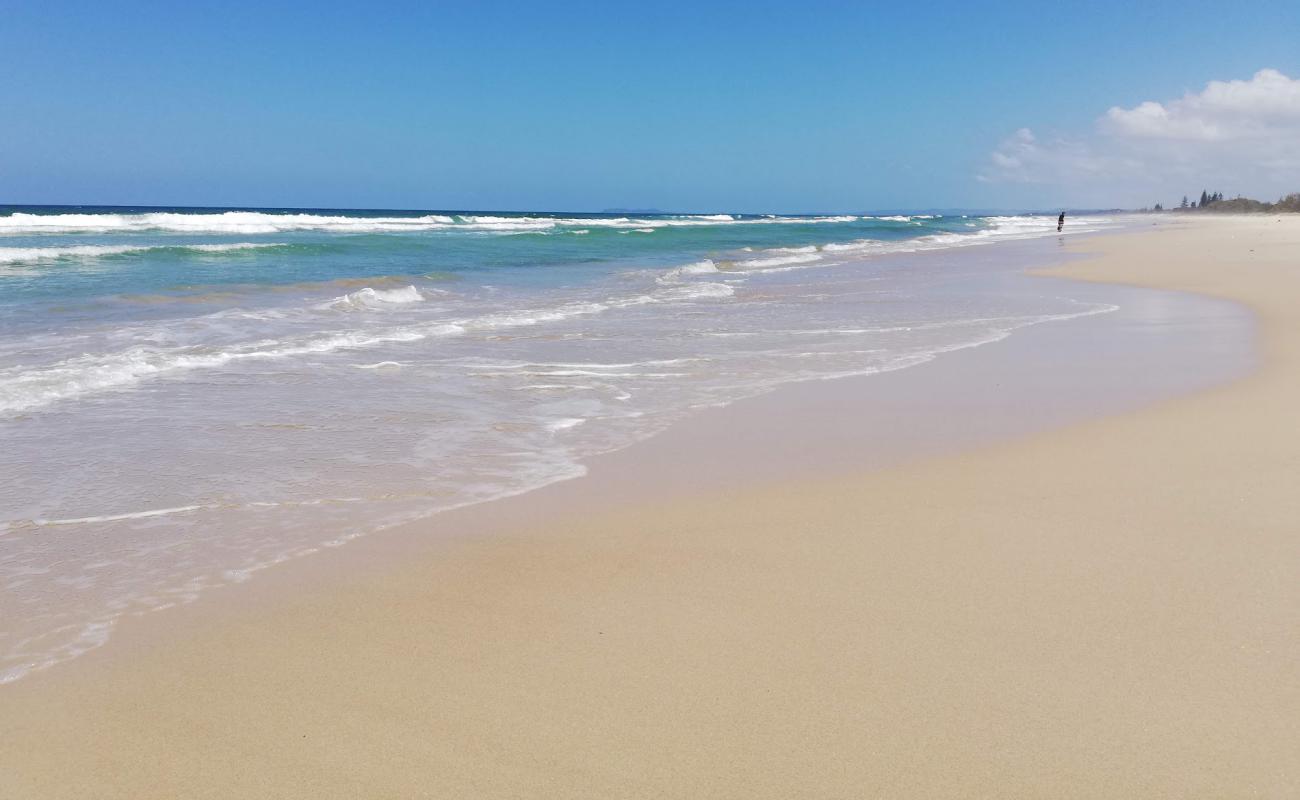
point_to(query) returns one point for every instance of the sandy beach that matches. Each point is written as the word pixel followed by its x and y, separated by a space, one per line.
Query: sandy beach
pixel 1104 607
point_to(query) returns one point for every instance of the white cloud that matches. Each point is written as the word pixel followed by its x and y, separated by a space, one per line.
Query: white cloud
pixel 1235 136
pixel 1024 158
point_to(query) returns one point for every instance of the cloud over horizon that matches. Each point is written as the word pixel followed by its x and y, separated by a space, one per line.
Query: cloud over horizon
pixel 1237 136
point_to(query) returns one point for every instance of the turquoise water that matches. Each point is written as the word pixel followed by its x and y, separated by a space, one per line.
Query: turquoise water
pixel 105 253
pixel 189 396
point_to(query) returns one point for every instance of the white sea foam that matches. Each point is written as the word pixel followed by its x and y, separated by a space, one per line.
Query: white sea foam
pixel 255 222
pixel 699 267
pixel 370 299
pixel 223 247
pixel 381 365
pixel 779 260
pixel 156 512
pixel 1003 228
pixel 704 267
pixel 698 291
pixel 22 389
pixel 836 247
pixel 225 222
pixel 840 218
pixel 555 426
pixel 25 388
pixel 12 255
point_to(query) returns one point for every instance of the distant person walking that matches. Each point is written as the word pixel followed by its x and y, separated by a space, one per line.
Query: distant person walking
pixel 1060 222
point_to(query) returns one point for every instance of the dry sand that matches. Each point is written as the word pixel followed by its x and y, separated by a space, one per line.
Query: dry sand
pixel 1109 609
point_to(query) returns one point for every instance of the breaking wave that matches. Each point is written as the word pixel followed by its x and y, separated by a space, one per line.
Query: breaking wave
pixel 256 222
pixel 369 298
pixel 704 267
pixel 19 255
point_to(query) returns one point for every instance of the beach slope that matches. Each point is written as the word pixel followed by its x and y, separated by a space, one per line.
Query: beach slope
pixel 1104 610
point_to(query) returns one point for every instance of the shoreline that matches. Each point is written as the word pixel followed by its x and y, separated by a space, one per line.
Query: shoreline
pixel 715 435
pixel 264 450
pixel 676 573
pixel 991 268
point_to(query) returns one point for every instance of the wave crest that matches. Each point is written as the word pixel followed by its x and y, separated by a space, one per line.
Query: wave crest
pixel 255 222
pixel 18 255
pixel 370 299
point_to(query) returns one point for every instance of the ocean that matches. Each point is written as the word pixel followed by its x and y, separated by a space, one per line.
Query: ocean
pixel 189 396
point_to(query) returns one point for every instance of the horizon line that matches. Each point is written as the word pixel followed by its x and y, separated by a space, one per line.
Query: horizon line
pixel 606 211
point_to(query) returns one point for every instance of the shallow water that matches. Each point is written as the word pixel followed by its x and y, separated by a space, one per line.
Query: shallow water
pixel 189 397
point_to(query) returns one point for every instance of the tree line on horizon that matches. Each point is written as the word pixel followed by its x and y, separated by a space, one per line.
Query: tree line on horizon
pixel 1214 201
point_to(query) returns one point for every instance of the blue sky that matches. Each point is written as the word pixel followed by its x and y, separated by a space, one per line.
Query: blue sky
pixel 582 106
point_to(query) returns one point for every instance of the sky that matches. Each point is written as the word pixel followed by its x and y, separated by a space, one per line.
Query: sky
pixel 690 106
